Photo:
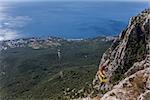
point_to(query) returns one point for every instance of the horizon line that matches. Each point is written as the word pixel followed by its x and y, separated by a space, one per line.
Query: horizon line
pixel 76 1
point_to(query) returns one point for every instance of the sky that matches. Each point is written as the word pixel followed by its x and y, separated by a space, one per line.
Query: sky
pixel 76 0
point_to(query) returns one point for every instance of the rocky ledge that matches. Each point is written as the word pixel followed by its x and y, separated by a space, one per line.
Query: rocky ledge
pixel 127 63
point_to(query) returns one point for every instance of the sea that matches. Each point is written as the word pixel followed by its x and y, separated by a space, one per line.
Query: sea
pixel 66 19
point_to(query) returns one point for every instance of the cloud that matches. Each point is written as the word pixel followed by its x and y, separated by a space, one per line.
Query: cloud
pixel 15 22
pixel 7 34
pixel 9 25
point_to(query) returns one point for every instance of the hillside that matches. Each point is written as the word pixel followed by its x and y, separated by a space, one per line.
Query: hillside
pixel 126 64
pixel 30 68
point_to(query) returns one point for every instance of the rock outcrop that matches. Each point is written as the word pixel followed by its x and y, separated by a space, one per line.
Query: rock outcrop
pixel 128 59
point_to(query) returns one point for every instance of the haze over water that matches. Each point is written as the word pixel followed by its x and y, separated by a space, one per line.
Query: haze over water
pixel 65 19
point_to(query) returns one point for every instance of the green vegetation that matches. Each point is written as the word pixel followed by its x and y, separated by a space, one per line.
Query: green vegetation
pixel 117 77
pixel 35 74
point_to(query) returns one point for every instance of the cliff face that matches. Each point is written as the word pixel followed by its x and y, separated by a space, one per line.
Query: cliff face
pixel 128 59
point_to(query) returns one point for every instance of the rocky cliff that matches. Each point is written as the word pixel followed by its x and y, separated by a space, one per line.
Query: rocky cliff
pixel 127 63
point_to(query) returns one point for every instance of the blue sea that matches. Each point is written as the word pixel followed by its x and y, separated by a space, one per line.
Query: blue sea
pixel 72 20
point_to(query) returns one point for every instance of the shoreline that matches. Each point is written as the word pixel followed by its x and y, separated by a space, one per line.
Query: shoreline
pixel 57 37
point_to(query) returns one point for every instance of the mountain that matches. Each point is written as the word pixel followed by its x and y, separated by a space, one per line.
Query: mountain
pixel 31 70
pixel 126 64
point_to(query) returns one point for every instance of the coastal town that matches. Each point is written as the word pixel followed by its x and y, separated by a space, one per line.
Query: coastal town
pixel 37 43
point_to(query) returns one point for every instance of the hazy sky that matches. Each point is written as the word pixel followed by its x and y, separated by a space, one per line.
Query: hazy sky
pixel 75 0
